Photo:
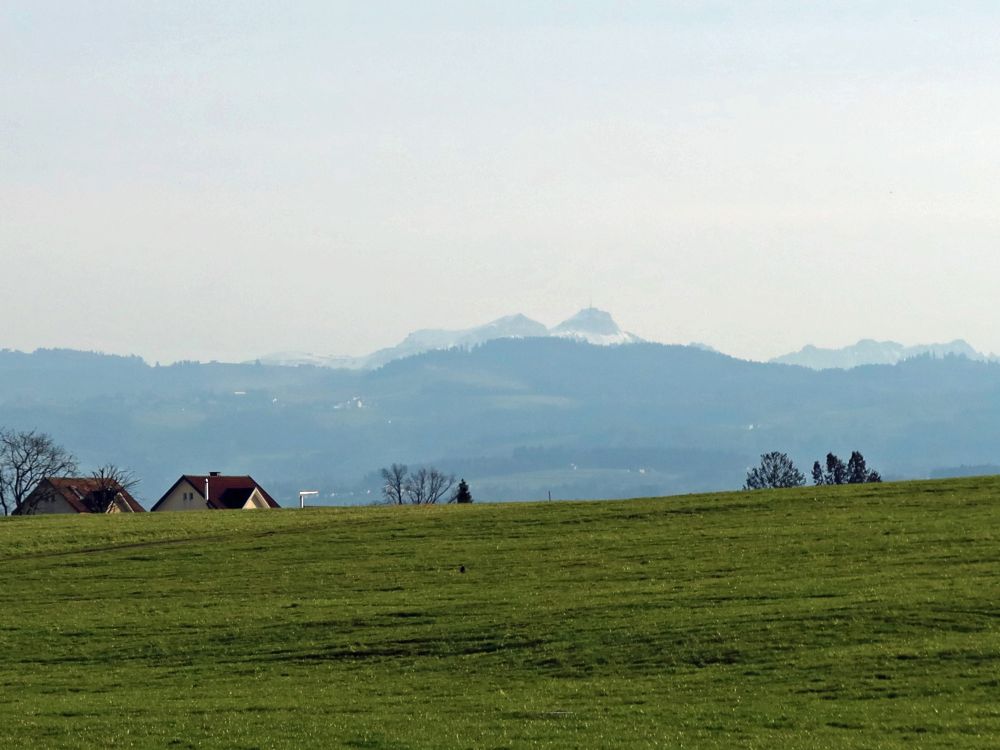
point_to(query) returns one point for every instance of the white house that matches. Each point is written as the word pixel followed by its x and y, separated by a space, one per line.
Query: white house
pixel 215 492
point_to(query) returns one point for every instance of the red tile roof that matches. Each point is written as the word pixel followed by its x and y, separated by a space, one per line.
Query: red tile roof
pixel 224 492
pixel 81 493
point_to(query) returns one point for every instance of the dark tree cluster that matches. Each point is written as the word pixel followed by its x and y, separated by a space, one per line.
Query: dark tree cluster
pixel 424 486
pixel 777 470
pixel 855 472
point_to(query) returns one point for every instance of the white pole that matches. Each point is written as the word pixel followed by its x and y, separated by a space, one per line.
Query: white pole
pixel 303 494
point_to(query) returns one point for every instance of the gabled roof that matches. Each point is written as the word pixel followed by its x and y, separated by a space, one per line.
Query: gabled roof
pixel 224 492
pixel 82 494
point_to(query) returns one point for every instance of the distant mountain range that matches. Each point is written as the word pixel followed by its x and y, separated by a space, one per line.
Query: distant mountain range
pixel 871 352
pixel 517 417
pixel 593 326
pixel 590 325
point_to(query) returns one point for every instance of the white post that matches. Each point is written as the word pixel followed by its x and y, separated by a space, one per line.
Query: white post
pixel 303 494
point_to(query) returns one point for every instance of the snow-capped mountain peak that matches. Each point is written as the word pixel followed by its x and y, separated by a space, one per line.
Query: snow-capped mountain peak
pixel 595 327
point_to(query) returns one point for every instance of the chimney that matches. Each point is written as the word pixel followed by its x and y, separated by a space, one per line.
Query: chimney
pixel 213 473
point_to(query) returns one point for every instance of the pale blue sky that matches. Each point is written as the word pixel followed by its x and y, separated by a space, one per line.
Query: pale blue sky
pixel 220 180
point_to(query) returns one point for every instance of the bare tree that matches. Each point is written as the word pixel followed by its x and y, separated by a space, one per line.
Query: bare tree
pixel 438 485
pixel 25 459
pixel 426 486
pixel 416 487
pixel 394 484
pixel 110 480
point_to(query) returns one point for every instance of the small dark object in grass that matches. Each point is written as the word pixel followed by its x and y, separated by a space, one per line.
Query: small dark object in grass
pixel 461 568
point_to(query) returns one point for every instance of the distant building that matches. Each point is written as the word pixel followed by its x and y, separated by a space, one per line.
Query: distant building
pixel 215 492
pixel 78 495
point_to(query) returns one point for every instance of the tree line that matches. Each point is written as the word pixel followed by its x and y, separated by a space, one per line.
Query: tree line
pixel 777 470
pixel 27 457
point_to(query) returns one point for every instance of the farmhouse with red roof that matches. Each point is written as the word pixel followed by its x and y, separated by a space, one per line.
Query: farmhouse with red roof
pixel 215 492
pixel 78 495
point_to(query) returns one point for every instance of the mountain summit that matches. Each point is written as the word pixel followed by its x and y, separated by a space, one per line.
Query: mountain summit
pixel 595 327
pixel 510 326
pixel 590 325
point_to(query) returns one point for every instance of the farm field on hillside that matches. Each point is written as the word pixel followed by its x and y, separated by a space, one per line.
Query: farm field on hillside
pixel 834 617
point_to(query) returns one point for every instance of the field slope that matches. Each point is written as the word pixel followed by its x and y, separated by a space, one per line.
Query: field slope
pixel 842 617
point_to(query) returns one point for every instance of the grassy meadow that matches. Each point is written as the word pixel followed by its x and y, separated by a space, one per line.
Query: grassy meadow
pixel 856 617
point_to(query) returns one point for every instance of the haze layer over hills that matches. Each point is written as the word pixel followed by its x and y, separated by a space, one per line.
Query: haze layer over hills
pixel 517 417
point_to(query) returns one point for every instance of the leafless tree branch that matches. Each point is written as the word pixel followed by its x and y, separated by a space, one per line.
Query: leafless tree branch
pixel 438 485
pixel 416 487
pixel 111 480
pixel 394 484
pixel 26 458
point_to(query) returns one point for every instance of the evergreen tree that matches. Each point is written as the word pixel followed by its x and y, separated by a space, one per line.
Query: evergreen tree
pixel 857 472
pixel 817 474
pixel 836 472
pixel 462 494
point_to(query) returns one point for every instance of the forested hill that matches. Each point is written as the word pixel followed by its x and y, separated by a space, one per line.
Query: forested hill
pixel 517 417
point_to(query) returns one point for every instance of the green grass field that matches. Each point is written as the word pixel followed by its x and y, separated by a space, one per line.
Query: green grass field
pixel 862 617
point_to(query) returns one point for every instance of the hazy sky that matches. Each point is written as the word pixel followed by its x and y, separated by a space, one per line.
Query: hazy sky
pixel 225 179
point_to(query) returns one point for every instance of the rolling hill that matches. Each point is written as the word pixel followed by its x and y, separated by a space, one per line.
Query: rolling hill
pixel 848 617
